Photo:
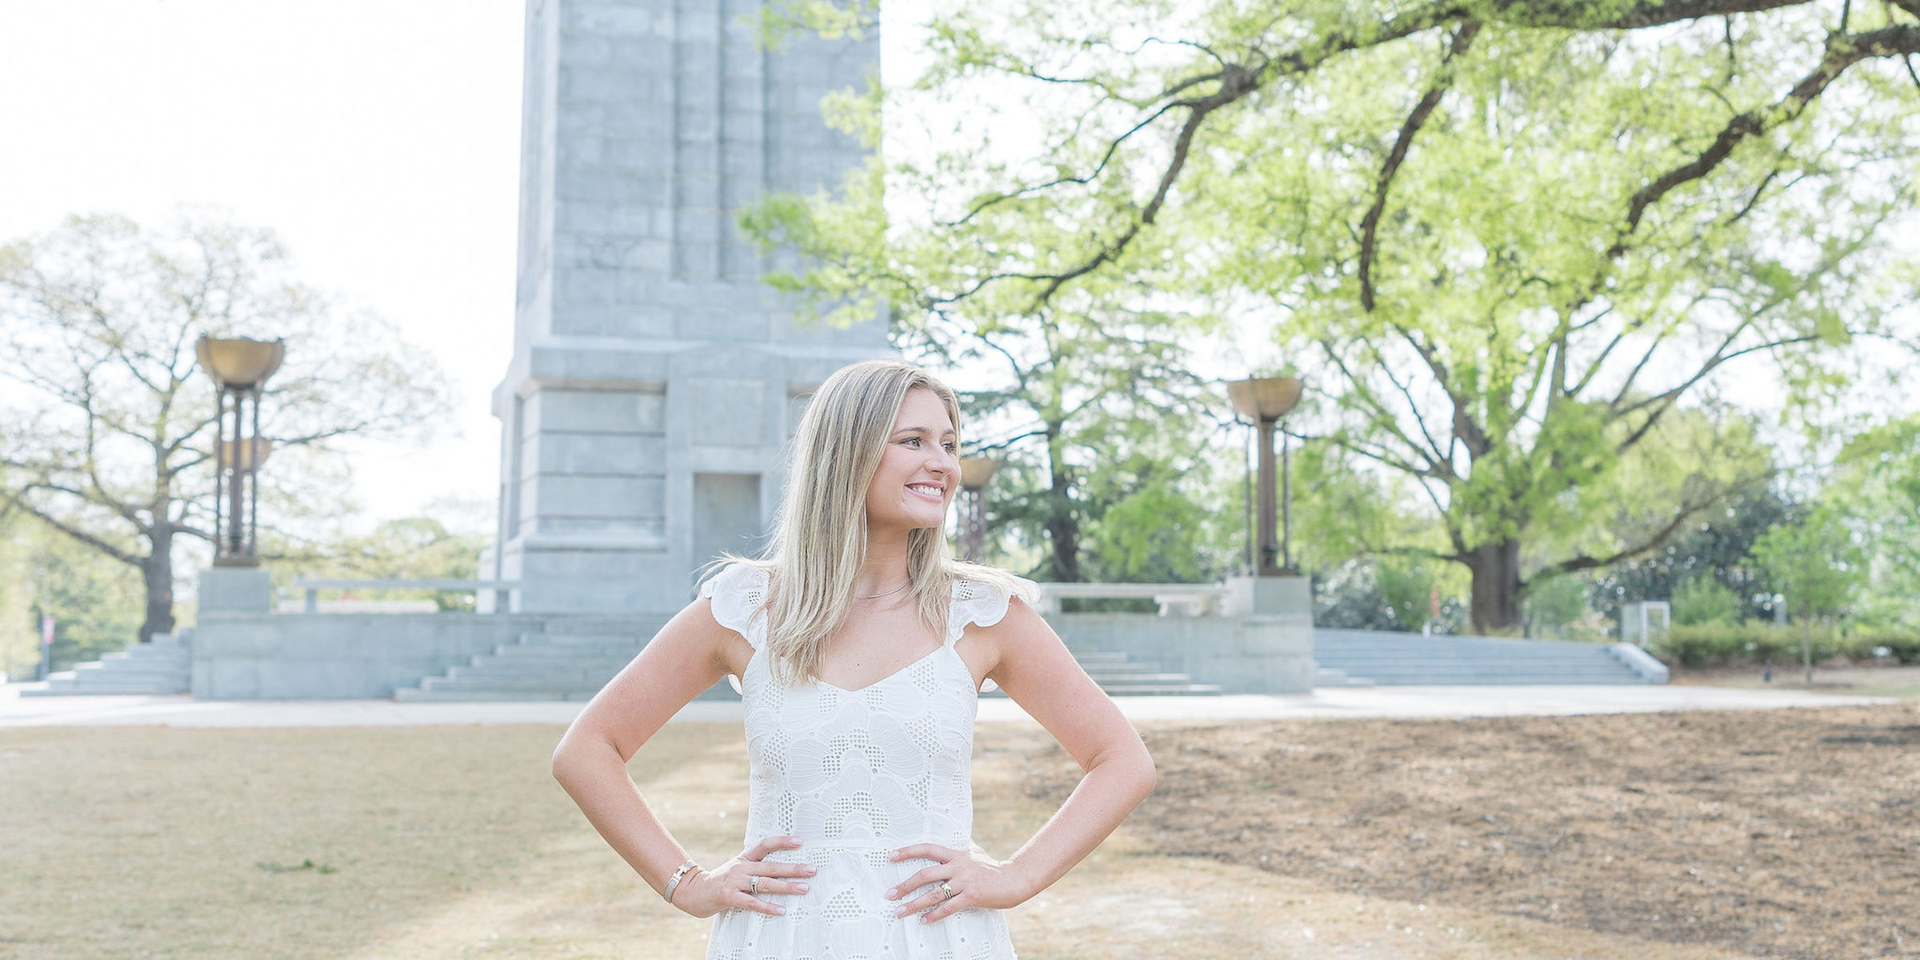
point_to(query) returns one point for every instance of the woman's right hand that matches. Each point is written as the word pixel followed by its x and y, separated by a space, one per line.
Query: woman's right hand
pixel 705 893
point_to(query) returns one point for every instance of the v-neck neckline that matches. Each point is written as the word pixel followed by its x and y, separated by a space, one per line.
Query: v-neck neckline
pixel 930 654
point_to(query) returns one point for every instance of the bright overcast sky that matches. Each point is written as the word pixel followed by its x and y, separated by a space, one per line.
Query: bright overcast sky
pixel 380 139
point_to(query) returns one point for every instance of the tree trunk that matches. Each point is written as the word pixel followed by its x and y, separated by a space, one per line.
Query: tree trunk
pixel 1063 529
pixel 1806 647
pixel 1496 586
pixel 157 570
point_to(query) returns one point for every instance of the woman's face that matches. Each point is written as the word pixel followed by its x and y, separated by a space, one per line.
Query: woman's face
pixel 920 469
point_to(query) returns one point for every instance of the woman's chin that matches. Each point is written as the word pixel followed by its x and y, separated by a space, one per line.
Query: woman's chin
pixel 915 520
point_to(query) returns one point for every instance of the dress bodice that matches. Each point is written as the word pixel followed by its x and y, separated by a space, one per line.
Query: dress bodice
pixel 884 765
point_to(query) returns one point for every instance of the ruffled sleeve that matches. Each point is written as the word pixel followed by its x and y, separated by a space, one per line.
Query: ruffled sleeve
pixel 982 603
pixel 739 594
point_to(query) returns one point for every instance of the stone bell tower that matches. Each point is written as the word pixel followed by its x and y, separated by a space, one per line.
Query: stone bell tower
pixel 655 378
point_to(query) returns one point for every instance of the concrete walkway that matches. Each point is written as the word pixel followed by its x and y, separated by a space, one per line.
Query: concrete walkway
pixel 1333 702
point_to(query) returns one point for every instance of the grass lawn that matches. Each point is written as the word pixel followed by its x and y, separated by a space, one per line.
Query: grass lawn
pixel 1264 839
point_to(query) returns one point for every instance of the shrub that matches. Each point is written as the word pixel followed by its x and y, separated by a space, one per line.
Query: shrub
pixel 1903 645
pixel 1704 600
pixel 1719 642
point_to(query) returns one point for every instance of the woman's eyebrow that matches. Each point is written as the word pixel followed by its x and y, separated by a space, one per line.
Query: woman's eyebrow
pixel 949 433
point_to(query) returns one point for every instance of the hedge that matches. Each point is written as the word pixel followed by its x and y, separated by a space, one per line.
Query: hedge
pixel 1719 642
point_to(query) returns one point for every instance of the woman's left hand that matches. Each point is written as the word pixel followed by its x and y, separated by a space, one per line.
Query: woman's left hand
pixel 977 880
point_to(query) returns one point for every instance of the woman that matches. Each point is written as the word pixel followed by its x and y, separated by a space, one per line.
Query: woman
pixel 860 647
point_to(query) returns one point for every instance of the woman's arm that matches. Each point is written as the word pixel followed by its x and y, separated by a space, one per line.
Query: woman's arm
pixel 681 661
pixel 1035 668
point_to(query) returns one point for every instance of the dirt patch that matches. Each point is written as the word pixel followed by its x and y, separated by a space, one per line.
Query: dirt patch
pixel 1791 833
pixel 1869 678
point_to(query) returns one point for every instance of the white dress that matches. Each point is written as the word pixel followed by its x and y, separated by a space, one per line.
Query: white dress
pixel 856 774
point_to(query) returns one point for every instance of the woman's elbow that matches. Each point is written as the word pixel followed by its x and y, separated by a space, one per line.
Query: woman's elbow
pixel 1140 764
pixel 567 758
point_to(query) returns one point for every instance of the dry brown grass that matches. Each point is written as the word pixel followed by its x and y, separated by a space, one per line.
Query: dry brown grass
pixel 455 842
pixel 1789 833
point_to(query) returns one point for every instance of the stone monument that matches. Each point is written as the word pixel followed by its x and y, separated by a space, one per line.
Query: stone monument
pixel 655 378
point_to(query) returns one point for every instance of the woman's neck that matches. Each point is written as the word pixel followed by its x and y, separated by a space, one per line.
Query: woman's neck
pixel 884 570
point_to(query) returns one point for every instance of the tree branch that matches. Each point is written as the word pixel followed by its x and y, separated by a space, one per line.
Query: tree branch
pixel 18 499
pixel 1370 223
pixel 1667 399
pixel 1842 51
pixel 1586 562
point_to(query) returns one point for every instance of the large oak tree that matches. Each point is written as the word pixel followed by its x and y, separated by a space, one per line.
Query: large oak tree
pixel 108 436
pixel 1505 240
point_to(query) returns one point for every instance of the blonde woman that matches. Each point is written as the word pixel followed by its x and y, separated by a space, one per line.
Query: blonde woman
pixel 859 645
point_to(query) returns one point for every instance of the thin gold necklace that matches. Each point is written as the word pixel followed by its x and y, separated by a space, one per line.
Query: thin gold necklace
pixel 894 590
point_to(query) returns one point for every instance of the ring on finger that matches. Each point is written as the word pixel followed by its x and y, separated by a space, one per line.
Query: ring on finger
pixel 948 889
pixel 753 884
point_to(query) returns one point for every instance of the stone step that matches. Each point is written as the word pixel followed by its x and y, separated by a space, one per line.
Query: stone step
pixel 583 684
pixel 529 654
pixel 555 674
pixel 1110 680
pixel 1348 653
pixel 1146 690
pixel 1330 677
pixel 1449 667
pixel 574 666
pixel 1116 669
pixel 158 667
pixel 1541 680
pixel 145 653
pixel 644 626
pixel 409 695
pixel 1472 679
pixel 133 668
pixel 66 686
pixel 583 639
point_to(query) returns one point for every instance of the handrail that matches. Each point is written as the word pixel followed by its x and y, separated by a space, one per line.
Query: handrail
pixel 499 588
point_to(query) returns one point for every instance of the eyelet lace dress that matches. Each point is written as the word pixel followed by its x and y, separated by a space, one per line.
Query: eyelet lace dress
pixel 856 774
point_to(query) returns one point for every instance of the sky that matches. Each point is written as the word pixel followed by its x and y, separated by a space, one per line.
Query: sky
pixel 380 139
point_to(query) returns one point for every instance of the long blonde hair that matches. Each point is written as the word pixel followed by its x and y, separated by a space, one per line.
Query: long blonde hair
pixel 819 535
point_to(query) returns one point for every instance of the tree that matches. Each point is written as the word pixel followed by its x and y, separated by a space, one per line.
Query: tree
pixel 113 444
pixel 1714 546
pixel 1514 237
pixel 94 601
pixel 1819 565
pixel 1082 398
pixel 1875 489
pixel 406 548
pixel 1081 382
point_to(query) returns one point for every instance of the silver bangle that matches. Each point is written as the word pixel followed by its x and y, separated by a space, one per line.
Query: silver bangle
pixel 674 881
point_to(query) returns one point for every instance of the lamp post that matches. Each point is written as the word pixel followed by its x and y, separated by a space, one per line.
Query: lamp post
pixel 1265 400
pixel 239 369
pixel 974 474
